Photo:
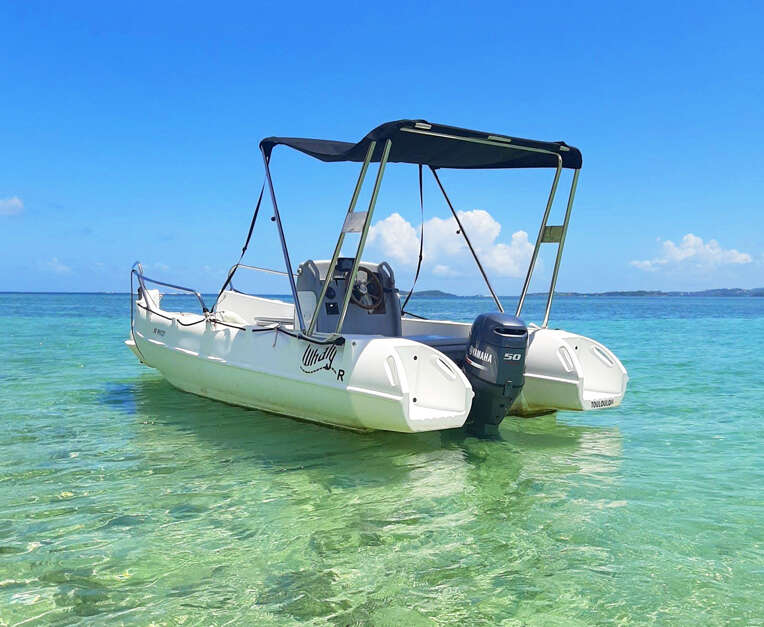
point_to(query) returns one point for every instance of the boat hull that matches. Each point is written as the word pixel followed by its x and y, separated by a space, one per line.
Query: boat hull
pixel 368 383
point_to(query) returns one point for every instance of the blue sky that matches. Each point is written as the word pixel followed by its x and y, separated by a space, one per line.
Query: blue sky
pixel 131 132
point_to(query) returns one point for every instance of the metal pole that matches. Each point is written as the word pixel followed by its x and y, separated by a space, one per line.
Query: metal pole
pixel 534 257
pixel 341 239
pixel 492 140
pixel 560 247
pixel 364 233
pixel 288 263
pixel 467 239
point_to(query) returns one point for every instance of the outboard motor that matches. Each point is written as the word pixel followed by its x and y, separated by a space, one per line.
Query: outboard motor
pixel 495 366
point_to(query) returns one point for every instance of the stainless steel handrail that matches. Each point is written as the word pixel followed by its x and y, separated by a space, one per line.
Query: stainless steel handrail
pixel 274 328
pixel 142 277
pixel 248 267
pixel 236 266
pixel 258 269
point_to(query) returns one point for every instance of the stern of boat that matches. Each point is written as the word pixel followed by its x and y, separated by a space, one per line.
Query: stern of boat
pixel 568 371
pixel 402 385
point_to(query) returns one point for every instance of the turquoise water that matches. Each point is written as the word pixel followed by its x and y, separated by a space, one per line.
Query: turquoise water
pixel 124 500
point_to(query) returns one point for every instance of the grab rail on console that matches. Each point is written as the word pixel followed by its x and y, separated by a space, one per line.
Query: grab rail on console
pixel 256 269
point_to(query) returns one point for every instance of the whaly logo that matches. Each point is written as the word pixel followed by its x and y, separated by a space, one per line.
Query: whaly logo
pixel 482 355
pixel 315 359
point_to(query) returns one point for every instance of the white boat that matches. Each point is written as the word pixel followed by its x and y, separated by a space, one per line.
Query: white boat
pixel 351 357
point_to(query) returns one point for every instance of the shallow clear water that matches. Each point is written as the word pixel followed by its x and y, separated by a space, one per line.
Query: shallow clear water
pixel 122 499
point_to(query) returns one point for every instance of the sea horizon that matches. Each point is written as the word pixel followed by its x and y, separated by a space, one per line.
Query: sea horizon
pixel 733 292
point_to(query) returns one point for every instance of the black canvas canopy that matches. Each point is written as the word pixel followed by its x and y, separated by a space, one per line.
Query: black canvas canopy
pixel 439 146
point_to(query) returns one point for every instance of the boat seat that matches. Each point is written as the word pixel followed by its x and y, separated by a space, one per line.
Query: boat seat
pixel 453 347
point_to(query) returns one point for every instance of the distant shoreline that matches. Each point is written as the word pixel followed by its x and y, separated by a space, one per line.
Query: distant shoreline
pixel 727 292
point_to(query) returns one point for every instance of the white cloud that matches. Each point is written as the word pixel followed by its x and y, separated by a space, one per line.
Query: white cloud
pixel 510 259
pixel 55 266
pixel 398 240
pixel 692 252
pixel 11 206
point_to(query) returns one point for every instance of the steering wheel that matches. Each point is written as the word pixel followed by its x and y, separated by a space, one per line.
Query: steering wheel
pixel 367 292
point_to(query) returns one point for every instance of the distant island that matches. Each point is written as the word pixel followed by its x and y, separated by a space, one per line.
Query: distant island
pixel 441 294
pixel 730 292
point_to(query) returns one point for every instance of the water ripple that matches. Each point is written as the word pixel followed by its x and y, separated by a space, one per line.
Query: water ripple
pixel 127 501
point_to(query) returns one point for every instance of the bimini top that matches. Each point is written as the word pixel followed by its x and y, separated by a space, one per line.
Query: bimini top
pixel 439 146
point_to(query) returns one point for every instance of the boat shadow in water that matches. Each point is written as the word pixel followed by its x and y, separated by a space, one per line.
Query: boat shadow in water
pixel 340 458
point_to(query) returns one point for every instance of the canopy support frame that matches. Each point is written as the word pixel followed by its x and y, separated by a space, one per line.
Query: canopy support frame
pixel 497 141
pixel 554 234
pixel 539 239
pixel 467 239
pixel 285 250
pixel 341 239
pixel 364 233
pixel 560 246
pixel 550 235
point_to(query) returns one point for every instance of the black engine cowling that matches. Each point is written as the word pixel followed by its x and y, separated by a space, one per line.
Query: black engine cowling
pixel 495 366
